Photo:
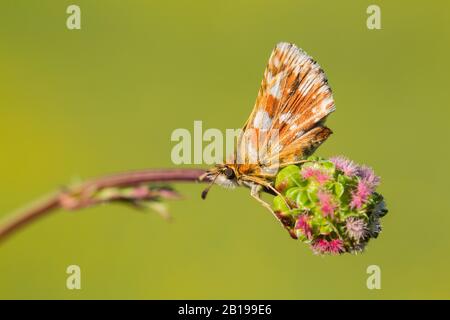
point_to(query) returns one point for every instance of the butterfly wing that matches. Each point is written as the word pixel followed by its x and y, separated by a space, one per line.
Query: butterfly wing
pixel 294 99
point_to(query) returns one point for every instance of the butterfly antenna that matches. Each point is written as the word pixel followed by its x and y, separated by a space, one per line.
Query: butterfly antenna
pixel 205 192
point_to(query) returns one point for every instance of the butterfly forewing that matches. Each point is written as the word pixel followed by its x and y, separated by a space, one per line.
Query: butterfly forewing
pixel 293 101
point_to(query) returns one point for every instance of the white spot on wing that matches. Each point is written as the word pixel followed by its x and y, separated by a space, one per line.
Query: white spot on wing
pixel 275 89
pixel 262 121
pixel 276 62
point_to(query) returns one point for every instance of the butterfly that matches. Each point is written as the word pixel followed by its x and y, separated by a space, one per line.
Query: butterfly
pixel 285 126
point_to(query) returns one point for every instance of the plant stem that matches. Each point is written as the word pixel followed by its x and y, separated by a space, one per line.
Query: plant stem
pixel 23 217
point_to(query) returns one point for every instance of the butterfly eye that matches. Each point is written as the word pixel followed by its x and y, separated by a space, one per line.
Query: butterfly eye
pixel 229 173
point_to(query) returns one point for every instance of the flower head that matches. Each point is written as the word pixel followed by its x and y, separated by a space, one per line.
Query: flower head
pixel 336 246
pixel 327 205
pixel 319 175
pixel 322 246
pixel 356 228
pixel 348 167
pixel 360 195
pixel 335 208
pixel 356 202
pixel 369 177
pixel 308 172
pixel 304 226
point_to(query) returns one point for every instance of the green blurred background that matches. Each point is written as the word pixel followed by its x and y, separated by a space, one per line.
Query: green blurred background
pixel 106 98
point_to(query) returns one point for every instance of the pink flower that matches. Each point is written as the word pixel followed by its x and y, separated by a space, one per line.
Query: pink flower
pixel 363 190
pixel 304 226
pixel 368 176
pixel 327 205
pixel 356 202
pixel 360 195
pixel 335 246
pixel 320 246
pixel 319 175
pixel 356 228
pixel 348 167
pixel 308 172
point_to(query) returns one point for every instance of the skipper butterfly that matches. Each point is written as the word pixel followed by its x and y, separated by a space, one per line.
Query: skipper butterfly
pixel 285 126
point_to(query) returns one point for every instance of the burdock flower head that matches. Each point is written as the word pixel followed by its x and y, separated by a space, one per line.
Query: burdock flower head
pixel 330 204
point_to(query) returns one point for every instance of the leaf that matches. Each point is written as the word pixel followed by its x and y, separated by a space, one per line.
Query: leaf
pixel 287 178
pixel 328 166
pixel 303 199
pixel 338 189
pixel 325 229
pixel 279 205
pixel 312 192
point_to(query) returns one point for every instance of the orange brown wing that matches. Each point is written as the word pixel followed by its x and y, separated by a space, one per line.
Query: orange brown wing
pixel 294 100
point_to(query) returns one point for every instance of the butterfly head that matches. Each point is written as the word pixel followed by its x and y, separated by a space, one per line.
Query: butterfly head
pixel 224 175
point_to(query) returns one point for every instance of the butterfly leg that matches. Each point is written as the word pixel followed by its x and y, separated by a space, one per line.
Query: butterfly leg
pixel 255 192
